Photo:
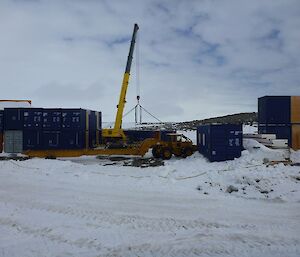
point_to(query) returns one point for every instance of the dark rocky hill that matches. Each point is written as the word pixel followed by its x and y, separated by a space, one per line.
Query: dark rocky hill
pixel 245 118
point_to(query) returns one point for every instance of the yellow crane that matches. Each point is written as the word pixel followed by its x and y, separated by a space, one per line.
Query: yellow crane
pixel 116 133
pixel 178 144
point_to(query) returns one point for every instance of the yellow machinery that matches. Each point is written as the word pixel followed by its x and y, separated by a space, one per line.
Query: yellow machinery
pixel 117 133
pixel 177 144
pixel 16 101
pixel 136 149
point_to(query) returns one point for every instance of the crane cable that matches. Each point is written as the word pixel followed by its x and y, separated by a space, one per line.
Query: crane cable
pixel 138 108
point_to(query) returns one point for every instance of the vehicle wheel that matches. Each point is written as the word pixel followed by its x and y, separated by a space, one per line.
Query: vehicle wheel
pixel 188 151
pixel 183 154
pixel 166 153
pixel 177 155
pixel 156 152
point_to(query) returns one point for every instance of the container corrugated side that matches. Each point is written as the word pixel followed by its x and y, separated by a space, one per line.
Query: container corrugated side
pixel 92 121
pixel 1 142
pixel 202 139
pixel 295 109
pixel 1 120
pixel 220 142
pixel 92 131
pixel 72 139
pixel 32 118
pixel 93 138
pixel 32 139
pixel 63 139
pixel 52 119
pixel 13 119
pixel 274 110
pixel 51 139
pixel 99 120
pixel 73 119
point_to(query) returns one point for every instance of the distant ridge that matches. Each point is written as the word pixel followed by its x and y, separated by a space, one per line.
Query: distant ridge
pixel 245 118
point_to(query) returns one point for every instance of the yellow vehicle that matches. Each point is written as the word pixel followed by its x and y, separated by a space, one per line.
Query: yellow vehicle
pixel 177 144
pixel 114 139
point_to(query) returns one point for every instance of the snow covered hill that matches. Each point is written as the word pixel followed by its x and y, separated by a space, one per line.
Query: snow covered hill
pixel 84 207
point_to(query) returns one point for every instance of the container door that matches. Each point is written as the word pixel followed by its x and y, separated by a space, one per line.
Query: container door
pixel 32 139
pixel 72 139
pixel 1 121
pixel 51 140
pixel 13 141
pixel 1 142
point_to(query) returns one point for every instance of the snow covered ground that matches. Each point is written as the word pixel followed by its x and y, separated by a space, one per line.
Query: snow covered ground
pixel 79 207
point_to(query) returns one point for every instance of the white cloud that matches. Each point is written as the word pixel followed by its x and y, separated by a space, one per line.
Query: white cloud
pixel 197 58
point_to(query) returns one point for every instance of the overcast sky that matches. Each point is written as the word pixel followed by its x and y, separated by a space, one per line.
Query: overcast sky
pixel 197 59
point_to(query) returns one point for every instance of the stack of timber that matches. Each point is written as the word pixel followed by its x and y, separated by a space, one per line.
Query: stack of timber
pixel 269 140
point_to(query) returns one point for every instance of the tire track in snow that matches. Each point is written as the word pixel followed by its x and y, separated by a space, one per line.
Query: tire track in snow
pixel 234 244
pixel 131 221
pixel 195 244
pixel 47 232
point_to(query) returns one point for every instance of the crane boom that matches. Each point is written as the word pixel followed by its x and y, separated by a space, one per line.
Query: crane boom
pixel 117 131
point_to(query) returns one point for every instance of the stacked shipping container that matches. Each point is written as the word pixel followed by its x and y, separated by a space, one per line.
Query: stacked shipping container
pixel 32 128
pixel 280 115
pixel 42 129
pixel 12 128
pixel 1 130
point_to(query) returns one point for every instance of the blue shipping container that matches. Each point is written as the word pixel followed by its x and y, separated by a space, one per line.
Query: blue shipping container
pixel 72 139
pixel 140 135
pixel 99 120
pixel 63 140
pixel 92 138
pixel 52 119
pixel 164 134
pixel 51 140
pixel 32 118
pixel 92 129
pixel 52 128
pixel 282 131
pixel 13 118
pixel 74 119
pixel 92 121
pixel 32 140
pixel 1 120
pixel 220 142
pixel 274 110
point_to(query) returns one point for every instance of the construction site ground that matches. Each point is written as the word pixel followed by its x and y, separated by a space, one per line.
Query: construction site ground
pixel 184 207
